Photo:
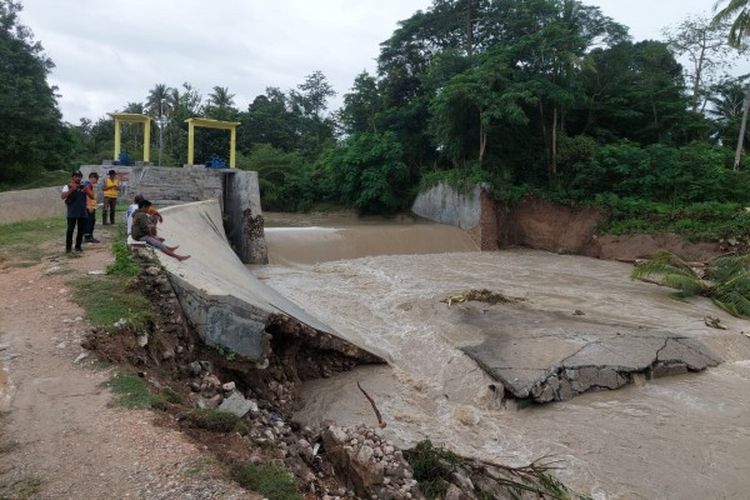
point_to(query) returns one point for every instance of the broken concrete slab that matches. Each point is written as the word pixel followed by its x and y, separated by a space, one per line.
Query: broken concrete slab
pixel 225 303
pixel 546 357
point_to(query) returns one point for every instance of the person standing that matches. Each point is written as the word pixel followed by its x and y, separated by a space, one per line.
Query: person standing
pixel 111 190
pixel 75 199
pixel 89 189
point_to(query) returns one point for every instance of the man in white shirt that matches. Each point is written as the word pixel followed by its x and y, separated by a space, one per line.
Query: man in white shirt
pixel 129 213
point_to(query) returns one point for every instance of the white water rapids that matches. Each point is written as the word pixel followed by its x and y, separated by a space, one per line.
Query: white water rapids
pixel 685 436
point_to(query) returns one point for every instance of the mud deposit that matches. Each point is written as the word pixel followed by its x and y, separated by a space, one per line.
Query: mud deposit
pixel 684 436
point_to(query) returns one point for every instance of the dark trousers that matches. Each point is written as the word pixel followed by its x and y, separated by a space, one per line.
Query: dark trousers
pixel 90 223
pixel 72 222
pixel 109 207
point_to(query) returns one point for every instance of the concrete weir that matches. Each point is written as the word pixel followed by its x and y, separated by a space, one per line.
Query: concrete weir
pixel 228 306
pixel 547 357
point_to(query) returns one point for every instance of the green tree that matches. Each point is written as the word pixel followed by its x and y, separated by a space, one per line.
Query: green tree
pixel 367 172
pixel 738 13
pixel 268 120
pixel 33 135
pixel 486 95
pixel 361 105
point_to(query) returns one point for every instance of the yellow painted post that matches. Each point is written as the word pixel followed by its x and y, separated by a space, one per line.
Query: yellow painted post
pixel 147 141
pixel 232 147
pixel 191 143
pixel 117 139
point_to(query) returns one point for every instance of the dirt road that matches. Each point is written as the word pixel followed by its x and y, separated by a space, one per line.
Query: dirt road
pixel 59 435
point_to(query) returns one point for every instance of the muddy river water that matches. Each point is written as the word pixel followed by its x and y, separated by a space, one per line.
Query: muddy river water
pixel 686 436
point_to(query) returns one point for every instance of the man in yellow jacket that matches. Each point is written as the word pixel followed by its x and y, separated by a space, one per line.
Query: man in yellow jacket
pixel 111 190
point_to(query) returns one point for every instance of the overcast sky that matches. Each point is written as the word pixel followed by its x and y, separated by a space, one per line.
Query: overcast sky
pixel 108 53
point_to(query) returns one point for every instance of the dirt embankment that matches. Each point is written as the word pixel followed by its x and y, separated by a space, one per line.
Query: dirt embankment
pixel 545 225
pixel 59 435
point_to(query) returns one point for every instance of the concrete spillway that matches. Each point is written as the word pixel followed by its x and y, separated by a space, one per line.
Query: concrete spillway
pixel 226 303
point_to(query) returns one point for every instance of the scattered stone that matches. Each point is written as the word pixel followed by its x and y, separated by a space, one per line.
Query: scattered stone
pixel 81 357
pixel 96 273
pixel 578 312
pixel 195 368
pixel 167 354
pixel 142 339
pixel 237 405
pixel 120 323
pixel 152 271
pixel 53 270
pixel 228 387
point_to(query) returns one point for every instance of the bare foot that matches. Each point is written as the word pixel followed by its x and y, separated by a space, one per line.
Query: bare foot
pixel 183 257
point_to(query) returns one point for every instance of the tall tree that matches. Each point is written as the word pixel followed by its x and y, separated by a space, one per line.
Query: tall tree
pixel 33 134
pixel 361 105
pixel 738 13
pixel 705 44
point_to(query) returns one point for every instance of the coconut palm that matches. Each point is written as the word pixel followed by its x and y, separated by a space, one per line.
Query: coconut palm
pixel 157 101
pixel 738 13
pixel 726 281
pixel 221 98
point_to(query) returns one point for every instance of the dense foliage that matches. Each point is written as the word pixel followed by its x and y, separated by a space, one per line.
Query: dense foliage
pixel 549 97
pixel 726 280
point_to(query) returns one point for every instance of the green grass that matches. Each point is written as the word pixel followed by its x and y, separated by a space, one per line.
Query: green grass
pixel 216 421
pixel 273 482
pixel 124 263
pixel 107 299
pixel 131 391
pixel 432 465
pixel 22 489
pixel 42 178
pixel 23 239
pixel 708 221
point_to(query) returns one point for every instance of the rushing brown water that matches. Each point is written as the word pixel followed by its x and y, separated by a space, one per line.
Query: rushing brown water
pixel 679 437
pixel 351 238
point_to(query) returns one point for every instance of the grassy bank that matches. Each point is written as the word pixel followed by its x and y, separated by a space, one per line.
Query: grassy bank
pixel 30 241
pixel 707 221
pixel 43 178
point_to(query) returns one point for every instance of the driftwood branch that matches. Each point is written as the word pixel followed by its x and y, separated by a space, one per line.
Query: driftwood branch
pixel 381 423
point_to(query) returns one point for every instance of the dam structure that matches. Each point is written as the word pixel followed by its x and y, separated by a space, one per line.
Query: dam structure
pixel 529 353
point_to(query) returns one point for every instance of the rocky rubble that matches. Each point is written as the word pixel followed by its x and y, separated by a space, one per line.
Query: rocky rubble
pixel 336 463
pixel 372 467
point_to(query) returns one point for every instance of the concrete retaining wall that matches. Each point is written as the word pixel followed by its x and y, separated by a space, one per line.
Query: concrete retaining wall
pixel 444 204
pixel 30 204
pixel 473 211
pixel 228 306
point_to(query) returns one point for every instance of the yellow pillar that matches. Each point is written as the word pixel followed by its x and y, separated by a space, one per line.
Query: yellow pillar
pixel 232 147
pixel 117 139
pixel 191 143
pixel 147 141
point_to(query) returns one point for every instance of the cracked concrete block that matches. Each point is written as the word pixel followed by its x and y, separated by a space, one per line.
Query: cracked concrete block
pixel 695 355
pixel 610 378
pixel 668 369
pixel 565 391
pixel 547 391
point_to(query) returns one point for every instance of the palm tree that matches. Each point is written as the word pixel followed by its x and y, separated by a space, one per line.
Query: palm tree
pixel 726 281
pixel 157 101
pixel 738 12
pixel 220 98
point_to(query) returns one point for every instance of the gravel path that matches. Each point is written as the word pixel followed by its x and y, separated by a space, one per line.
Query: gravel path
pixel 59 437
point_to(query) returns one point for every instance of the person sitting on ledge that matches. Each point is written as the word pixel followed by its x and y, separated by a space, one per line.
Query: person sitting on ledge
pixel 144 230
